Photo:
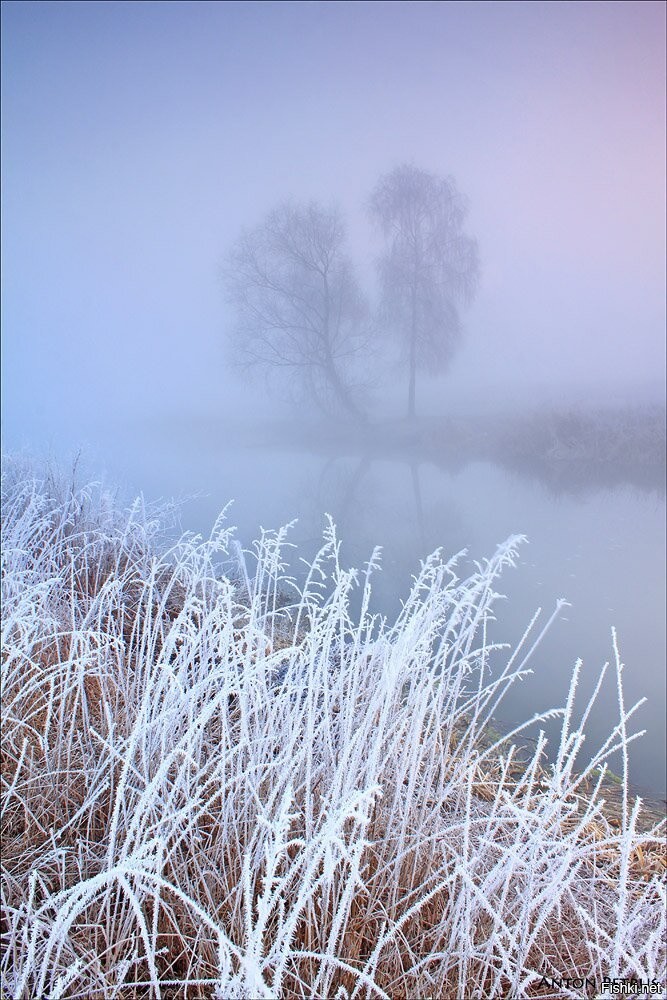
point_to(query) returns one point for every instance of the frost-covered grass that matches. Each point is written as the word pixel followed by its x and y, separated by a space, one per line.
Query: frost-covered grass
pixel 230 786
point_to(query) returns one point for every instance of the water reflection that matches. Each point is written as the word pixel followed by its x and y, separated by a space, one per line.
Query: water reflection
pixel 597 543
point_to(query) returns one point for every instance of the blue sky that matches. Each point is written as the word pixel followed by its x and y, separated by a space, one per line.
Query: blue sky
pixel 139 138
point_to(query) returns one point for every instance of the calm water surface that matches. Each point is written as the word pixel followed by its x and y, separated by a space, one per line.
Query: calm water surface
pixel 602 549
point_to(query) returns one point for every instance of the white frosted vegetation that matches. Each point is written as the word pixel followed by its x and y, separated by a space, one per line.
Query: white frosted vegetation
pixel 232 786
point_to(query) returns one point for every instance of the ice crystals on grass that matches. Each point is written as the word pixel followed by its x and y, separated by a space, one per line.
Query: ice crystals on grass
pixel 224 778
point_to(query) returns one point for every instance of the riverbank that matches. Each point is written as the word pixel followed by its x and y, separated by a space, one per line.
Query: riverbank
pixel 205 783
pixel 569 449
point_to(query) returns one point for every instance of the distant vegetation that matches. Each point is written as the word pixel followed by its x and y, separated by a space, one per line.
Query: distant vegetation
pixel 569 450
pixel 574 448
pixel 222 780
pixel 429 267
pixel 301 318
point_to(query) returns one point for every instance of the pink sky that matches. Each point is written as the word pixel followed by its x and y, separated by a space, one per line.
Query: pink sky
pixel 139 138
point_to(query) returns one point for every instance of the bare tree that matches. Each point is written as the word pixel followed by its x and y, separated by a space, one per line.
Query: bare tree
pixel 298 306
pixel 430 265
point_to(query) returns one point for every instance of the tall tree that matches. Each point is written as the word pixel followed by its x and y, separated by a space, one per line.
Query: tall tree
pixel 298 306
pixel 430 265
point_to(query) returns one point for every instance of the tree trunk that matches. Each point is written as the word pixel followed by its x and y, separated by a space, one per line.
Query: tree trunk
pixel 341 391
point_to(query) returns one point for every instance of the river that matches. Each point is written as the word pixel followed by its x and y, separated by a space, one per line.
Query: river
pixel 600 547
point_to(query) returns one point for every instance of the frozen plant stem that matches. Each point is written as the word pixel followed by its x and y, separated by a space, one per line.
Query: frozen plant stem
pixel 238 785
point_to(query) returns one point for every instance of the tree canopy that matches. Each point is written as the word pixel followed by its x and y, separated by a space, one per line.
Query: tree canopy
pixel 300 312
pixel 298 306
pixel 429 265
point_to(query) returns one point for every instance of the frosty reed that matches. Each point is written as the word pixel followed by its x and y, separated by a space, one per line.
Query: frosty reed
pixel 218 780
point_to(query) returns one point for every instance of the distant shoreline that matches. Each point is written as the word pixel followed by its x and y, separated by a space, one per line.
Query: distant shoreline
pixel 569 450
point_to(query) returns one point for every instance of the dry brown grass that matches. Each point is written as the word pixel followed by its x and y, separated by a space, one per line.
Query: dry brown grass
pixel 197 798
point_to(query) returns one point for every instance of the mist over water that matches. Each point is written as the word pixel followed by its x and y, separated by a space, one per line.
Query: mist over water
pixel 141 140
pixel 600 545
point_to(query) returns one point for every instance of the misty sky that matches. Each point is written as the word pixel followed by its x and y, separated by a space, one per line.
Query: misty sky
pixel 139 138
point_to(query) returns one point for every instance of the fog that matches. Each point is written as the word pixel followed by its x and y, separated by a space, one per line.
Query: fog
pixel 140 140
